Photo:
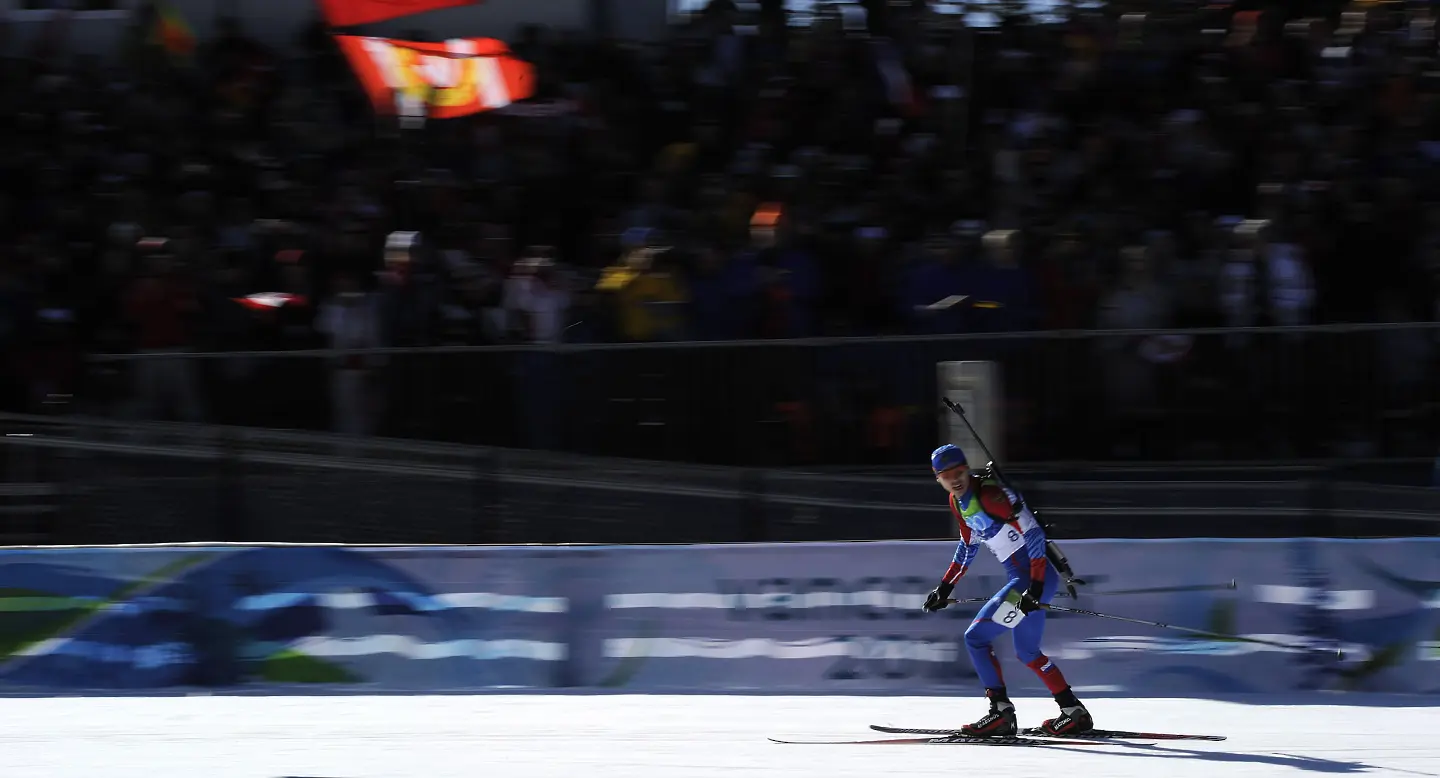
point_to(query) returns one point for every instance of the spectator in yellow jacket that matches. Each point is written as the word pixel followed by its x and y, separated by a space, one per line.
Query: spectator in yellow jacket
pixel 649 295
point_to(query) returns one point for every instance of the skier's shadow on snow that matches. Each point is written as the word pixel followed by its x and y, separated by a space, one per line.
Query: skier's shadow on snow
pixel 1310 763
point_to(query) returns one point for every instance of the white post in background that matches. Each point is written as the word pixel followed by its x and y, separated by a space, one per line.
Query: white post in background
pixel 975 387
pixel 410 110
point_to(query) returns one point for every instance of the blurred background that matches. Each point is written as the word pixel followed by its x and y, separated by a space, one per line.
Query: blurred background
pixel 696 288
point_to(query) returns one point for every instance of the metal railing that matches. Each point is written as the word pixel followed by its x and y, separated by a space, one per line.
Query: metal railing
pixel 1140 395
pixel 121 482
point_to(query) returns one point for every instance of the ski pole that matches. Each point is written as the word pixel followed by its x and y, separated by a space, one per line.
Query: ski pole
pixel 1200 632
pixel 1228 585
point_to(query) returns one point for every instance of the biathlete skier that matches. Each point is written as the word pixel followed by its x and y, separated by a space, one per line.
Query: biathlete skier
pixel 995 516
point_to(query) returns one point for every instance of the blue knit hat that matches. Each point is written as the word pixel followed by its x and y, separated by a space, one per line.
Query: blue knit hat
pixel 946 457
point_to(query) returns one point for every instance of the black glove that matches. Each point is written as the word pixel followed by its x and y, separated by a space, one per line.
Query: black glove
pixel 939 598
pixel 1031 601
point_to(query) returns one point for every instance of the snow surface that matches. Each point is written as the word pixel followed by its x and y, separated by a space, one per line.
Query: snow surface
pixel 652 736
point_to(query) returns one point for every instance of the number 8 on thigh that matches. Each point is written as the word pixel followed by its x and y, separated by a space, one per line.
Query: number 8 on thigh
pixel 1003 609
pixel 1007 615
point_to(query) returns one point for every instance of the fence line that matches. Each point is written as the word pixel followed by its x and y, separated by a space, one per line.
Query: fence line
pixel 1282 393
pixel 194 483
pixel 770 343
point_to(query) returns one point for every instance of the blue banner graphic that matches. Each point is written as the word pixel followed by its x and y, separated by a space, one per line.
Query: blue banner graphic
pixel 805 618
pixel 157 618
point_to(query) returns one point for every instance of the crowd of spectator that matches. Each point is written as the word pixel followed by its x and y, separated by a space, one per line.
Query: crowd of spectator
pixel 885 170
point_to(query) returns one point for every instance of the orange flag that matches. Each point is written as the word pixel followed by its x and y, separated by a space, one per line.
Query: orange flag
pixel 455 78
pixel 348 13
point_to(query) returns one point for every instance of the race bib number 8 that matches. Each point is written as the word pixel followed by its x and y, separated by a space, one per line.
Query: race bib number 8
pixel 1006 542
pixel 1009 615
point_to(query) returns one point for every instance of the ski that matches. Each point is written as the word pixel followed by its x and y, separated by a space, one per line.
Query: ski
pixel 1094 734
pixel 914 731
pixel 1117 734
pixel 945 740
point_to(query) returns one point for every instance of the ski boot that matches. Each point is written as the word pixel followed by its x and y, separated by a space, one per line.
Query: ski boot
pixel 999 722
pixel 1073 718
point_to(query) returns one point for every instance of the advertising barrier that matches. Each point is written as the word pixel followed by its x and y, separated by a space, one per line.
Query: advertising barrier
pixel 817 618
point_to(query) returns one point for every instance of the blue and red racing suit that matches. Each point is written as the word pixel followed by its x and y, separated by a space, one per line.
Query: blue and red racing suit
pixel 987 516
